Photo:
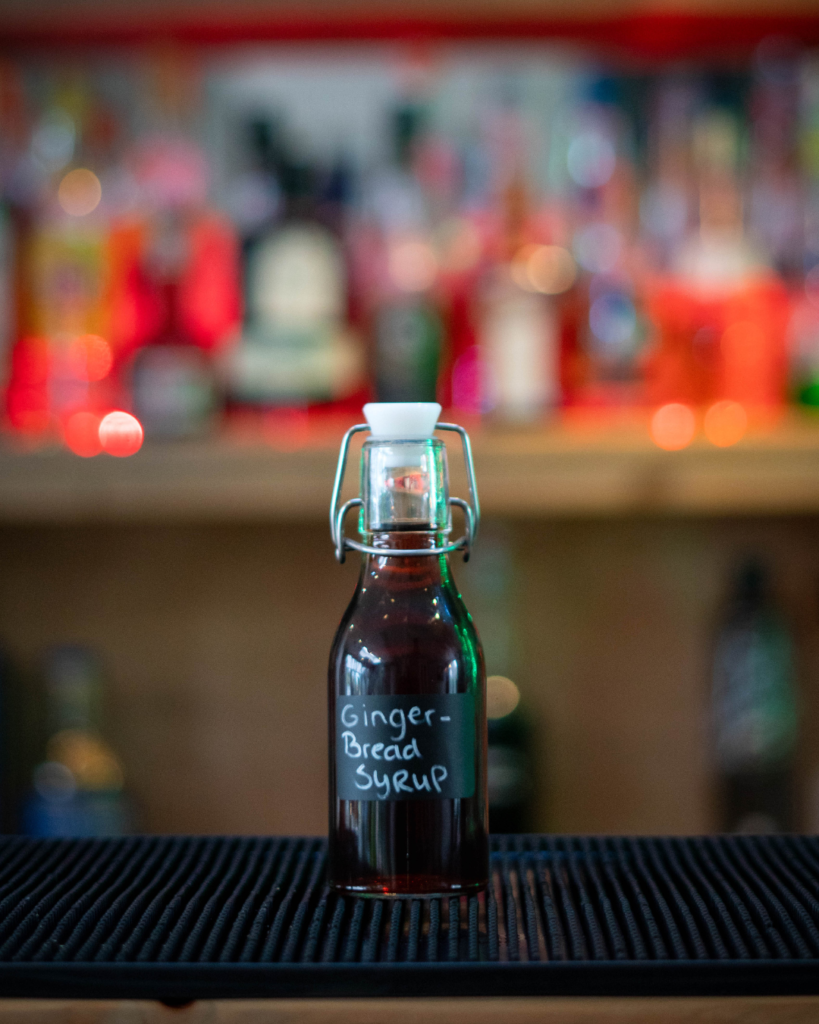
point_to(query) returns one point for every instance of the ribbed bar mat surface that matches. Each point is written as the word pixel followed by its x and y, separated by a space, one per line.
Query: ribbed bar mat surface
pixel 179 918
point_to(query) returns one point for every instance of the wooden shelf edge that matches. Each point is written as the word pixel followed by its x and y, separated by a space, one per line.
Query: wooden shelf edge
pixel 524 473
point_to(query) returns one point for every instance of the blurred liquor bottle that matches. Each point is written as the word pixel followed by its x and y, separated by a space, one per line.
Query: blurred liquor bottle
pixel 490 584
pixel 8 298
pixel 15 191
pixel 602 164
pixel 509 771
pixel 407 325
pixel 754 713
pixel 722 313
pixel 78 789
pixel 297 346
pixel 184 286
pixel 804 325
pixel 518 332
pixel 62 357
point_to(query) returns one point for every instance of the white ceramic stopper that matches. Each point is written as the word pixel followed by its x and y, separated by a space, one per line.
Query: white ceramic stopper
pixel 402 421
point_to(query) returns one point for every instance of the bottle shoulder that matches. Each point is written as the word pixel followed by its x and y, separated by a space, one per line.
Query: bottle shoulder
pixel 419 632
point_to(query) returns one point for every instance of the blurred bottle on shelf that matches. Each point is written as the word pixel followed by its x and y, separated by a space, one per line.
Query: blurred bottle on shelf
pixel 64 195
pixel 296 346
pixel 185 284
pixel 775 189
pixel 407 325
pixel 518 323
pixel 8 256
pixel 78 789
pixel 490 586
pixel 804 325
pixel 190 276
pixel 722 315
pixel 509 772
pixel 754 715
pixel 552 234
pixel 601 163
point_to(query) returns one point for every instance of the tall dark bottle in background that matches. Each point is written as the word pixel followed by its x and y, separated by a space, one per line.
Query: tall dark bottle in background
pixel 754 710
pixel 407 684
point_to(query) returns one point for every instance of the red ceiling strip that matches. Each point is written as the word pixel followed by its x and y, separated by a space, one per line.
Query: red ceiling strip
pixel 663 35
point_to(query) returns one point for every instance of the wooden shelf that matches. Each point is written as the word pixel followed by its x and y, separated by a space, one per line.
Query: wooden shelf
pixel 551 471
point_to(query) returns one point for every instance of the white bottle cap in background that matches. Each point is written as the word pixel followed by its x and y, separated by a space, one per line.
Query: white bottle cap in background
pixel 402 421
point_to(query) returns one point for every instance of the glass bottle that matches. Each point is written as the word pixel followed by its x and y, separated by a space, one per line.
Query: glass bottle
pixel 78 789
pixel 754 710
pixel 407 683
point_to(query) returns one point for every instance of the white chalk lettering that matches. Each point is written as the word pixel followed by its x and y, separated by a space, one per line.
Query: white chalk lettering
pixel 399 781
pixel 415 715
pixel 438 773
pixel 411 750
pixel 362 771
pixel 423 784
pixel 352 748
pixel 392 753
pixel 385 782
pixel 348 716
pixel 399 722
pixel 377 748
pixel 427 714
pixel 380 714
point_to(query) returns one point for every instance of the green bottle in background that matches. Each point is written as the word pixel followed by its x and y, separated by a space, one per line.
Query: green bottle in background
pixel 78 789
pixel 754 710
pixel 408 334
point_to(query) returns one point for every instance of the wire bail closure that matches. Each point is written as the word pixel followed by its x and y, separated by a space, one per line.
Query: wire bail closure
pixel 471 509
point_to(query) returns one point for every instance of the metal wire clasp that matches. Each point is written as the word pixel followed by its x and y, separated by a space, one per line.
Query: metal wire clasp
pixel 471 509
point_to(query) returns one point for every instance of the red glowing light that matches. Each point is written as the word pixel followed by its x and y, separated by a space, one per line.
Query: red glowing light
pixel 210 294
pixel 82 434
pixel 27 408
pixel 31 361
pixel 673 426
pixel 120 434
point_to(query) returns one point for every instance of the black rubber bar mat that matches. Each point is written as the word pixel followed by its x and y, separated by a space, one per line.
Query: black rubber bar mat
pixel 181 918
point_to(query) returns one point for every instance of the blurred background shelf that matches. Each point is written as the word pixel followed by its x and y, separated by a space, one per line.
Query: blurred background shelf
pixel 200 574
pixel 548 471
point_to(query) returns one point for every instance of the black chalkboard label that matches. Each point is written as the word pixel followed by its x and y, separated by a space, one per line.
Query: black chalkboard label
pixel 405 747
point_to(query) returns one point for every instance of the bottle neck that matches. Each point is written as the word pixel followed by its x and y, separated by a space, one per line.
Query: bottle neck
pixel 404 488
pixel 415 570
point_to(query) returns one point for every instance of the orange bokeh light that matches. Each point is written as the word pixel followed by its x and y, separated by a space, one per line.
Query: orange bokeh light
pixel 82 434
pixel 725 423
pixel 90 357
pixel 79 192
pixel 673 426
pixel 412 264
pixel 120 434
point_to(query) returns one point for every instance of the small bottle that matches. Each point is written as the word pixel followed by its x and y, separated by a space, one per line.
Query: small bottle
pixel 509 767
pixel 78 789
pixel 407 326
pixel 754 711
pixel 407 683
pixel 297 347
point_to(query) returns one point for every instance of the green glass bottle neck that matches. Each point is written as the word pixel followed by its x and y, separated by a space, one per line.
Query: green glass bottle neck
pixel 394 572
pixel 405 489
